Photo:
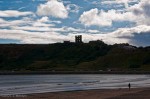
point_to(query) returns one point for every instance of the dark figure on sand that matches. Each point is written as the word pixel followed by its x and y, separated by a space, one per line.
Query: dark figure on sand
pixel 129 85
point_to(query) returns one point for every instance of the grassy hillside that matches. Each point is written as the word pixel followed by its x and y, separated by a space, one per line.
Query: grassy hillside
pixel 119 59
pixel 95 55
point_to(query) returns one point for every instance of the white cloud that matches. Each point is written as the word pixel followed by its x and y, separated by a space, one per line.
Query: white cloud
pixel 93 31
pixel 1 20
pixel 40 24
pixel 102 18
pixel 125 2
pixel 46 19
pixel 141 10
pixel 57 22
pixel 21 8
pixel 73 8
pixel 138 36
pixel 45 30
pixel 53 8
pixel 31 28
pixel 92 17
pixel 14 13
pixel 4 23
pixel 66 2
pixel 32 37
pixel 138 13
pixel 25 21
pixel 43 19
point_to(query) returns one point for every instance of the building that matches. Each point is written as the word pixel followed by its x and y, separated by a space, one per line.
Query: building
pixel 78 39
pixel 67 42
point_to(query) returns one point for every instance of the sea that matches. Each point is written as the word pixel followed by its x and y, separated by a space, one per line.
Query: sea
pixel 27 84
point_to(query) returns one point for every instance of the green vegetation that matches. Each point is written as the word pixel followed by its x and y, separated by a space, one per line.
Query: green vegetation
pixel 92 56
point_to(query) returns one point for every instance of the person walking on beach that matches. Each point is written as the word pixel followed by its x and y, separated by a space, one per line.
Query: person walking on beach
pixel 129 85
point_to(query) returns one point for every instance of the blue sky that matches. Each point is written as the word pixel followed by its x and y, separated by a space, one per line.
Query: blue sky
pixel 50 21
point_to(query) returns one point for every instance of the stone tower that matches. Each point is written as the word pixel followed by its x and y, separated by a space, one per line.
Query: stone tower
pixel 78 39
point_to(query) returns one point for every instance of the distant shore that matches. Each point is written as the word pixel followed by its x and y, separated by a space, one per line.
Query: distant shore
pixel 134 93
pixel 70 72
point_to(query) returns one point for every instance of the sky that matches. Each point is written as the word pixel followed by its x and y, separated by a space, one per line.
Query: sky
pixel 51 21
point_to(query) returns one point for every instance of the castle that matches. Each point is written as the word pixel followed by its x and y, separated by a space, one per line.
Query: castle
pixel 78 39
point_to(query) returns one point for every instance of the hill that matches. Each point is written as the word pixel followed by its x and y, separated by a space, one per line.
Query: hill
pixel 92 56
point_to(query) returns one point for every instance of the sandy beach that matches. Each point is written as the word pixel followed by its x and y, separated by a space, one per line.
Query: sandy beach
pixel 135 93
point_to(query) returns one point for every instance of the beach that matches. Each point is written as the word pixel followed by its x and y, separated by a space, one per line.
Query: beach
pixel 134 93
pixel 77 86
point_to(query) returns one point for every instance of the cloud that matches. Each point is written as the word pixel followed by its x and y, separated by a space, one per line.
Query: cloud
pixel 46 19
pixel 21 8
pixel 31 28
pixel 14 13
pixel 26 21
pixel 141 10
pixel 39 25
pixel 53 8
pixel 138 35
pixel 45 30
pixel 32 37
pixel 102 18
pixel 92 17
pixel 73 8
pixel 6 24
pixel 125 2
pixel 17 1
pixel 43 19
pixel 138 13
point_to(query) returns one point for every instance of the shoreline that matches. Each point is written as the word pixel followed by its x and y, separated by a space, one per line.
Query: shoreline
pixel 70 72
pixel 124 93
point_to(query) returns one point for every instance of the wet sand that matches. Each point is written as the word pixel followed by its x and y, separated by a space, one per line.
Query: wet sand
pixel 135 93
